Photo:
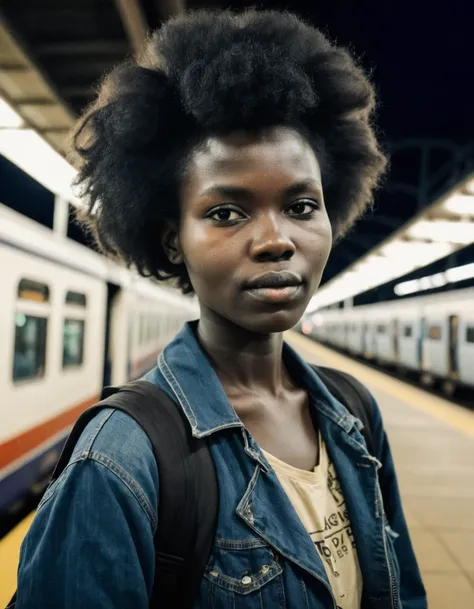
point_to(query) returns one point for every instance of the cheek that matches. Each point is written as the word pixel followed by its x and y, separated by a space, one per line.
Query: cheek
pixel 321 242
pixel 205 251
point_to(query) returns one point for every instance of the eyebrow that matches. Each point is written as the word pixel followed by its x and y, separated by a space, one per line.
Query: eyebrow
pixel 238 192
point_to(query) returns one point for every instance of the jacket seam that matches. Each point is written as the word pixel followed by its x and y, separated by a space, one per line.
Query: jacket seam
pixel 95 432
pixel 118 471
pixel 129 482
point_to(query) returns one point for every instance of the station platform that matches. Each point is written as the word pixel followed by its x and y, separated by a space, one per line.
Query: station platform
pixel 433 445
pixel 432 441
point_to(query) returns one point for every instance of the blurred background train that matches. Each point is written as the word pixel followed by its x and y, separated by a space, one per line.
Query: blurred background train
pixel 70 323
pixel 431 336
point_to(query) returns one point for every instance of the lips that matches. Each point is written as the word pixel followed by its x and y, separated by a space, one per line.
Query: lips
pixel 275 288
pixel 275 280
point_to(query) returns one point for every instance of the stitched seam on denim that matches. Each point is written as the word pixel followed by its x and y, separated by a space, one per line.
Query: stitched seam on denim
pixel 178 391
pixel 53 488
pixel 305 593
pixel 283 594
pixel 103 418
pixel 113 467
pixel 176 388
pixel 234 584
pixel 240 544
pixel 245 499
pixel 129 482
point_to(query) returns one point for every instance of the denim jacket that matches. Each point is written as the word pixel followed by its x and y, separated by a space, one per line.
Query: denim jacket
pixel 91 542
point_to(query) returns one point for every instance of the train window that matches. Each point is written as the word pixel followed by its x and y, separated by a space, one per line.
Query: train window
pixel 408 331
pixel 33 290
pixel 434 332
pixel 75 298
pixel 470 334
pixel 73 342
pixel 381 329
pixel 30 347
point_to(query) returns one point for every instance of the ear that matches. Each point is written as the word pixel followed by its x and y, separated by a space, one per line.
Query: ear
pixel 170 243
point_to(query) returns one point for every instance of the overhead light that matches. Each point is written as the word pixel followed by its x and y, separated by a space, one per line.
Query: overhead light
pixel 443 231
pixel 9 119
pixel 426 283
pixel 407 287
pixel 460 273
pixel 460 204
pixel 439 280
pixel 416 251
pixel 28 150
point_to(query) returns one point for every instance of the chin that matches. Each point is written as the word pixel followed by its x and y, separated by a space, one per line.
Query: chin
pixel 271 323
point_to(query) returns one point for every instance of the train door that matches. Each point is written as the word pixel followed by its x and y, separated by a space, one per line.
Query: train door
pixel 453 363
pixel 420 339
pixel 396 341
pixel 112 290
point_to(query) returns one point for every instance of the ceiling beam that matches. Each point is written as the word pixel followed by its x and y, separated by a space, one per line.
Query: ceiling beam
pixel 14 67
pixel 134 22
pixel 34 101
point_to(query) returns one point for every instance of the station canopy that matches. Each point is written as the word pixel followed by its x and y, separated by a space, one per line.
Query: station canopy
pixel 440 230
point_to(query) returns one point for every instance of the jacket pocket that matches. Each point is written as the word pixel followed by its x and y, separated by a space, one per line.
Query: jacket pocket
pixel 244 573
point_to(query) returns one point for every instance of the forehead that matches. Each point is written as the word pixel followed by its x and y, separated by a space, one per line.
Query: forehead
pixel 278 151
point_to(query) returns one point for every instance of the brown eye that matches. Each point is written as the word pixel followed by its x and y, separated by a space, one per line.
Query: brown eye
pixel 226 214
pixel 303 209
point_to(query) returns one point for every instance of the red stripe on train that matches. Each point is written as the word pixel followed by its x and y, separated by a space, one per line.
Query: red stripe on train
pixel 16 447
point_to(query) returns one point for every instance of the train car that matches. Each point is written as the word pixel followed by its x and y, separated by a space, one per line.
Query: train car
pixel 409 337
pixel 70 323
pixel 432 335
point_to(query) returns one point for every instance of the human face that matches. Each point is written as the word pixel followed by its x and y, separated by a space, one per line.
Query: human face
pixel 254 232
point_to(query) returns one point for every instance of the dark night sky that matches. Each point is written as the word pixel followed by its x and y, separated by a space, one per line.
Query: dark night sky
pixel 421 54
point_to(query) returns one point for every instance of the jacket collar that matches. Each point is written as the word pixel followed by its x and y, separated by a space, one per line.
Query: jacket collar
pixel 194 383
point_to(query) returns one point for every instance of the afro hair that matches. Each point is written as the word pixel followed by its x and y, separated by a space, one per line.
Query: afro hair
pixel 212 73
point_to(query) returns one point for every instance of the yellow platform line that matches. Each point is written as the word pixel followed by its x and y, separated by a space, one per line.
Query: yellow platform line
pixel 9 557
pixel 439 408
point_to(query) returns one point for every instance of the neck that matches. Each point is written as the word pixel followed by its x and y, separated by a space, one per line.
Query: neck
pixel 243 360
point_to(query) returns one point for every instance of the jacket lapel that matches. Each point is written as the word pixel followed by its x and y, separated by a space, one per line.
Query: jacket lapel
pixel 357 473
pixel 280 527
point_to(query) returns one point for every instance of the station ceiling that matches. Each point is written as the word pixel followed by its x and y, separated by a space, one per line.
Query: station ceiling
pixel 53 55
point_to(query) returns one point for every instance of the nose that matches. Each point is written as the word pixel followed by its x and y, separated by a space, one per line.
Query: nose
pixel 269 243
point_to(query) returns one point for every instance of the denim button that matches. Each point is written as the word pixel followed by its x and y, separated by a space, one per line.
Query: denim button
pixel 246 580
pixel 265 569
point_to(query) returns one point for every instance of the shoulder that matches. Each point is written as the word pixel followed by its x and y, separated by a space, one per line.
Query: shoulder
pixel 115 445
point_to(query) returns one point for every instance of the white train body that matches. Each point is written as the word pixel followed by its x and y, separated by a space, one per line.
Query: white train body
pixel 432 335
pixel 70 321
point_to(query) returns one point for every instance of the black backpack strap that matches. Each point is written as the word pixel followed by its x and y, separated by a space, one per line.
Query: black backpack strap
pixel 188 501
pixel 354 396
pixel 188 490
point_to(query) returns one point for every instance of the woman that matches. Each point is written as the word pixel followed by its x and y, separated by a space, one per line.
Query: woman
pixel 230 159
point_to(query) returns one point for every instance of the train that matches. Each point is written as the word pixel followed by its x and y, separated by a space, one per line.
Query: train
pixel 71 322
pixel 430 336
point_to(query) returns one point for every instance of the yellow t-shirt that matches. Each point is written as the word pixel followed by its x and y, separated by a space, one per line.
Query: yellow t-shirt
pixel 318 500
